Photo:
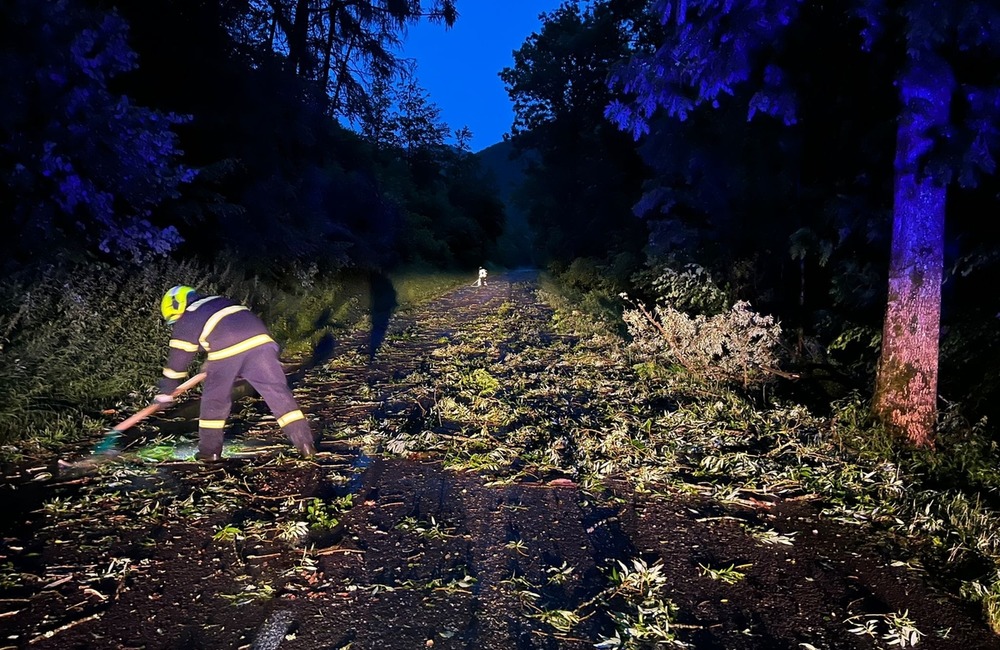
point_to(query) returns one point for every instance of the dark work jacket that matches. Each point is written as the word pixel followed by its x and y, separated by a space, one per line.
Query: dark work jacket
pixel 216 325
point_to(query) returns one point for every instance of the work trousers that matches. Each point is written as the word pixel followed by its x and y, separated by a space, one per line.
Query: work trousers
pixel 261 368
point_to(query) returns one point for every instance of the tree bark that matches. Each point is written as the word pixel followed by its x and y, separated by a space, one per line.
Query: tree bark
pixel 906 385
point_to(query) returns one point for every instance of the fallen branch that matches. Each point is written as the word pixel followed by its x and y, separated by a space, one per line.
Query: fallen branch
pixel 331 551
pixel 52 633
pixel 782 373
pixel 58 582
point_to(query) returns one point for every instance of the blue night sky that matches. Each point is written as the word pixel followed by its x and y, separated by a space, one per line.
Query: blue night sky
pixel 458 67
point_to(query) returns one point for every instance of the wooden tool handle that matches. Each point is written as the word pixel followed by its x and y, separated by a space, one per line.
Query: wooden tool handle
pixel 154 407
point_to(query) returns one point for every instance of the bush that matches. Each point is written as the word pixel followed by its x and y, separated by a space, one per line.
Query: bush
pixel 74 339
pixel 593 285
pixel 738 346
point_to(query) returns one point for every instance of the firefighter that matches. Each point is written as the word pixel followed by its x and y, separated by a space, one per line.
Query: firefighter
pixel 237 345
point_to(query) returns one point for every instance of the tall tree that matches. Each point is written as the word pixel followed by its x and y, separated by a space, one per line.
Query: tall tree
pixel 729 194
pixel 716 45
pixel 584 174
pixel 278 179
pixel 417 120
pixel 946 130
pixel 344 45
pixel 376 125
pixel 463 139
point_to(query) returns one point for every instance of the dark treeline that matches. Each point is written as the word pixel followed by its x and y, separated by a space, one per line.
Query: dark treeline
pixel 759 141
pixel 184 127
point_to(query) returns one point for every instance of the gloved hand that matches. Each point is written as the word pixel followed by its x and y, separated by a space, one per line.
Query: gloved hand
pixel 164 399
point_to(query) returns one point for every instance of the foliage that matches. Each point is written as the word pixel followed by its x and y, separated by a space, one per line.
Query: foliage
pixel 737 346
pixel 572 404
pixel 342 47
pixel 896 628
pixel 78 339
pixel 450 214
pixel 856 347
pixel 638 607
pixel 729 575
pixel 321 515
pixel 583 174
pixel 280 181
pixel 734 58
pixel 414 287
pixel 730 194
pixel 691 290
pixel 432 529
pixel 481 381
pixel 989 597
pixel 310 308
pixel 417 124
pixel 595 284
pixel 84 166
pixel 75 340
pixel 403 116
pixel 665 431
pixel 968 355
pixel 707 64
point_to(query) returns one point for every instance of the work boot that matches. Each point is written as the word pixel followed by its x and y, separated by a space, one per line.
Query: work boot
pixel 208 458
pixel 307 449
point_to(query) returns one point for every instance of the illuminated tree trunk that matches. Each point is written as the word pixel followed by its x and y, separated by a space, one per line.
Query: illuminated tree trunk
pixel 906 385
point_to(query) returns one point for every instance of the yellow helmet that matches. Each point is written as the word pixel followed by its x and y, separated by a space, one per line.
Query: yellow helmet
pixel 175 302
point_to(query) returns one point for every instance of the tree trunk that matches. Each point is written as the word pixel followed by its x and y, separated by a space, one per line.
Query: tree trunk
pixel 906 385
pixel 299 54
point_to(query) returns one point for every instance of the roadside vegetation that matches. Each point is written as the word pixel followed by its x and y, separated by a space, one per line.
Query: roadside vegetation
pixel 76 342
pixel 545 391
pixel 728 432
pixel 698 410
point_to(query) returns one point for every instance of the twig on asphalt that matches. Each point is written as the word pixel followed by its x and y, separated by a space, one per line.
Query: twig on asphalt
pixel 330 551
pixel 52 633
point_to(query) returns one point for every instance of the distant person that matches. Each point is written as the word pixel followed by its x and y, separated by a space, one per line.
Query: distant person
pixel 238 345
pixel 481 280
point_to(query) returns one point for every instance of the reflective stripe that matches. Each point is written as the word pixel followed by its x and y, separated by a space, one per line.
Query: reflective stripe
pixel 249 344
pixel 212 424
pixel 213 320
pixel 195 305
pixel 173 374
pixel 183 345
pixel 291 416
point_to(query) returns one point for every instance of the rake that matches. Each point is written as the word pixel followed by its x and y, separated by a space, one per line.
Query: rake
pixel 111 436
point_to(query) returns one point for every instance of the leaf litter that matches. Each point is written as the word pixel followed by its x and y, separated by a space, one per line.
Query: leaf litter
pixel 498 475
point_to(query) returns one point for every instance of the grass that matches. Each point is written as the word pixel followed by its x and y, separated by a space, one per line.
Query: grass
pixel 415 287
